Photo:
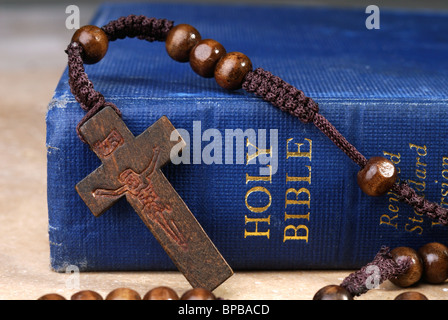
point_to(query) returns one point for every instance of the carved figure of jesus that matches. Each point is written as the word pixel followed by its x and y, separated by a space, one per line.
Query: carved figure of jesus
pixel 139 187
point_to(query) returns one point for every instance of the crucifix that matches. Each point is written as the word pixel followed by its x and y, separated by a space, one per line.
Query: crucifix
pixel 131 168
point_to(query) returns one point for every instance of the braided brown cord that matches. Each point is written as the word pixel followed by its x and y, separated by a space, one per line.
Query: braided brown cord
pixel 142 27
pixel 290 99
pixel 420 204
pixel 383 267
pixel 339 140
pixel 150 29
pixel 79 82
pixel 281 94
pixel 82 88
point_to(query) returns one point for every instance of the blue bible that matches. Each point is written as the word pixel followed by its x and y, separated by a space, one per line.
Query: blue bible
pixel 270 191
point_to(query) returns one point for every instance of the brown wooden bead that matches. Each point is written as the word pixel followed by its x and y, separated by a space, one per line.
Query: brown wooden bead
pixel 332 292
pixel 377 176
pixel 204 57
pixel 94 42
pixel 411 295
pixel 198 294
pixel 86 295
pixel 180 40
pixel 415 271
pixel 123 294
pixel 161 293
pixel 434 256
pixel 231 70
pixel 52 296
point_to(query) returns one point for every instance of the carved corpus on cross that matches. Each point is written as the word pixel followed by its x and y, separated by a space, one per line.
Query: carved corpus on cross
pixel 131 167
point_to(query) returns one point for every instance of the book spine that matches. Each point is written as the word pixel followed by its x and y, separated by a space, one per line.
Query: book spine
pixel 270 191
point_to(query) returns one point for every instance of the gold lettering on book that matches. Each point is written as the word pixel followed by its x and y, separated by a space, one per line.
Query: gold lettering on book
pixel 298 196
pixel 299 179
pixel 256 232
pixel 388 218
pixel 295 232
pixel 250 157
pixel 419 184
pixel 296 200
pixel 444 185
pixel 257 225
pixel 260 178
pixel 260 208
pixel 413 223
pixel 299 153
pixel 444 190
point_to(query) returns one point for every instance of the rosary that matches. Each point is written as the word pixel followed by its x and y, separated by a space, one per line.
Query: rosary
pixel 131 165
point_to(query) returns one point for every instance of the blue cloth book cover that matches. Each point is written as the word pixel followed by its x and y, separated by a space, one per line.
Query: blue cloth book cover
pixel 270 191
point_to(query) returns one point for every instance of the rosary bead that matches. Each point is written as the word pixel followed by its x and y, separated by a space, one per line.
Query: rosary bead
pixel 231 70
pixel 198 294
pixel 204 57
pixel 435 262
pixel 415 271
pixel 94 42
pixel 411 295
pixel 123 294
pixel 161 293
pixel 52 296
pixel 377 176
pixel 180 40
pixel 332 292
pixel 86 295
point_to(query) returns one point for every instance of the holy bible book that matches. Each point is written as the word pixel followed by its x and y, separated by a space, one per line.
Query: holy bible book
pixel 270 191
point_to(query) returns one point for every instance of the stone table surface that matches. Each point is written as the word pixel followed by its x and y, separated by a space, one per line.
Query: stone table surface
pixel 31 63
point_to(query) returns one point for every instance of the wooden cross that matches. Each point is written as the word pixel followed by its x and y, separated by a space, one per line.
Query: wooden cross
pixel 131 167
